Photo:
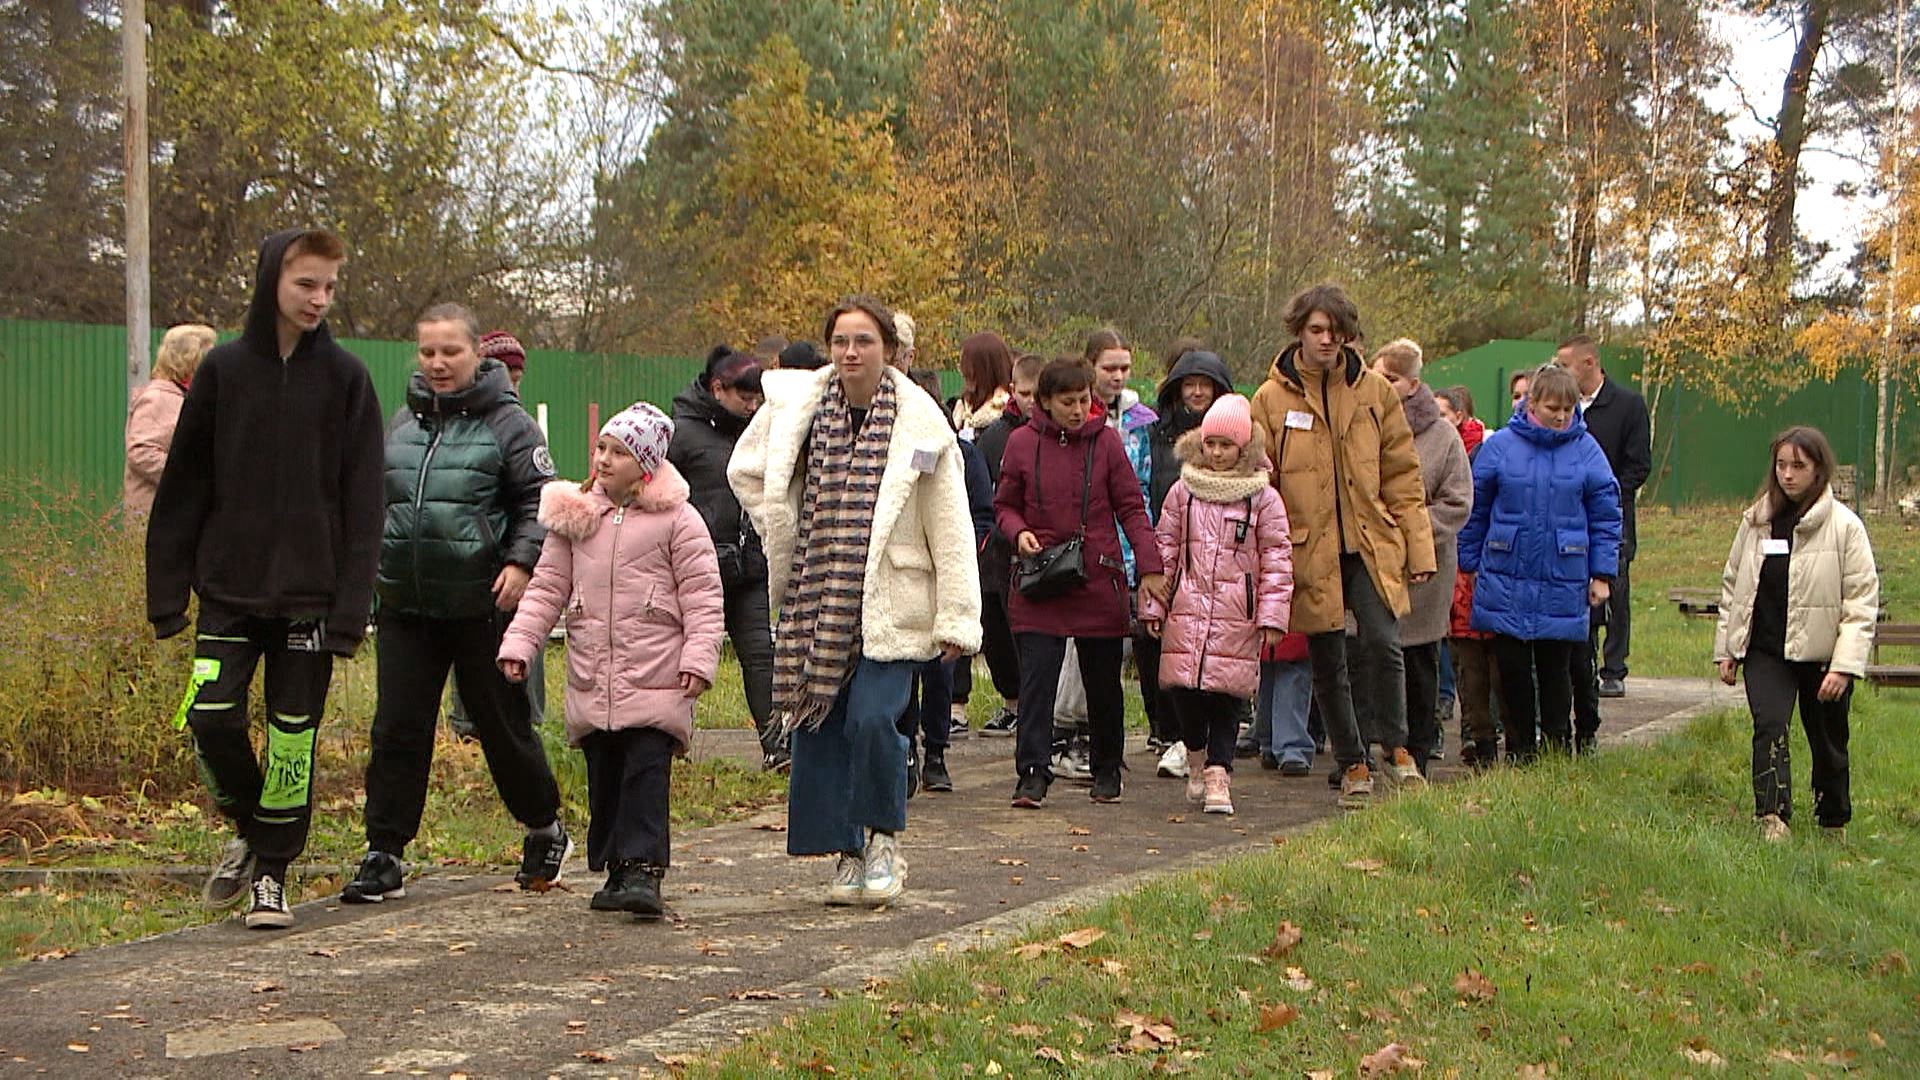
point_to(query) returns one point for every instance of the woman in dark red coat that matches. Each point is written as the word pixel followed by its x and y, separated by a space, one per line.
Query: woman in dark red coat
pixel 1047 465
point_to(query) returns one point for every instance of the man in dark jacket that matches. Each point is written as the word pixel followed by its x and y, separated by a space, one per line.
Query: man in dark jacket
pixel 708 419
pixel 1616 417
pixel 465 465
pixel 996 555
pixel 269 509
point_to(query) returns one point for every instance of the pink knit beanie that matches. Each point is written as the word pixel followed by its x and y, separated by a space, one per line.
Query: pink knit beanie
pixel 1229 418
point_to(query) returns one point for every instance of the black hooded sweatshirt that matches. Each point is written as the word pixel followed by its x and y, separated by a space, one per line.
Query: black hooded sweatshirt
pixel 1176 420
pixel 270 504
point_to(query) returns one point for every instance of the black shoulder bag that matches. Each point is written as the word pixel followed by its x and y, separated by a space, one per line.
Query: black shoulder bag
pixel 1062 568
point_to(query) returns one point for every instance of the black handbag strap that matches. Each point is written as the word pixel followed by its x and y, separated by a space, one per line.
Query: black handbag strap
pixel 1086 485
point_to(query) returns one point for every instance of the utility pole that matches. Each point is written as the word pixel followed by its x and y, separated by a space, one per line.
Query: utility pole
pixel 133 67
pixel 1883 412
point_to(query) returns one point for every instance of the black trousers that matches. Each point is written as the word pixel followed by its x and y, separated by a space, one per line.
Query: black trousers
pixel 1162 720
pixel 629 781
pixel 1040 658
pixel 1773 685
pixel 750 629
pixel 271 808
pixel 1585 684
pixel 1613 660
pixel 1423 700
pixel 414 657
pixel 1360 690
pixel 929 704
pixel 996 644
pixel 1536 694
pixel 1208 721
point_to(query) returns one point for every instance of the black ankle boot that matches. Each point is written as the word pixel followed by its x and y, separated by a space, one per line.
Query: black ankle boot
pixel 607 898
pixel 933 775
pixel 639 890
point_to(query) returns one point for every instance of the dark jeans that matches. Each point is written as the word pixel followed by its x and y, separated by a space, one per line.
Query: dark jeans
pixel 850 775
pixel 1613 661
pixel 928 705
pixel 1040 658
pixel 1585 685
pixel 271 808
pixel 1372 708
pixel 1478 679
pixel 1527 669
pixel 414 657
pixel 629 778
pixel 1162 723
pixel 1208 721
pixel 536 685
pixel 996 644
pixel 960 677
pixel 750 630
pixel 1423 700
pixel 1773 685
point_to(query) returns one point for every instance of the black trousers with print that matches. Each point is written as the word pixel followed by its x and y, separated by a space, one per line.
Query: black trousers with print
pixel 1773 685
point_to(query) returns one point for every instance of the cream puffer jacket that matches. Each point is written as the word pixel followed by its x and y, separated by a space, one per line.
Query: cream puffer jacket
pixel 1833 589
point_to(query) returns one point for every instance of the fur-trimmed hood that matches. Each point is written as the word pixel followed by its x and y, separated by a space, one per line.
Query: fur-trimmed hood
pixel 1245 481
pixel 575 514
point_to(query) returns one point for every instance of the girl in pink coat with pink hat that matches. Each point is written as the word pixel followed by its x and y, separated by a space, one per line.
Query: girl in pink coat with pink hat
pixel 631 564
pixel 1229 555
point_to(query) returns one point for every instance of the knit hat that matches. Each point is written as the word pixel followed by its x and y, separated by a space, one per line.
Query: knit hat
pixel 505 348
pixel 645 431
pixel 1229 417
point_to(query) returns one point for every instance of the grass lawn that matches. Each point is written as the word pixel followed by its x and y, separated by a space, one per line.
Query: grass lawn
pixel 1611 917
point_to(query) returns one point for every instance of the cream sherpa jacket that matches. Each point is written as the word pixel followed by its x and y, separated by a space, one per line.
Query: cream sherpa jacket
pixel 922 586
pixel 1833 587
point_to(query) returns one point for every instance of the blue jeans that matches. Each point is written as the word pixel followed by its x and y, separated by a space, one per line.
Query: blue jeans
pixel 851 774
pixel 1286 689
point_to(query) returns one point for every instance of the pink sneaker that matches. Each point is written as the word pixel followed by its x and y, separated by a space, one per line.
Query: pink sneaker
pixel 1218 783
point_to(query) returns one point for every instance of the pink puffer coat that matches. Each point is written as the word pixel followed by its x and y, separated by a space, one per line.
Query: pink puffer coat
pixel 1229 555
pixel 640 586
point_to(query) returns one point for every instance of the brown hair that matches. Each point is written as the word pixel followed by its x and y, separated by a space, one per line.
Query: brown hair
pixel 1328 299
pixel 1523 373
pixel 1182 346
pixel 1028 366
pixel 872 308
pixel 1100 341
pixel 455 313
pixel 181 351
pixel 1551 382
pixel 986 365
pixel 319 242
pixel 1811 443
pixel 1403 356
pixel 1063 376
pixel 1460 398
pixel 1580 343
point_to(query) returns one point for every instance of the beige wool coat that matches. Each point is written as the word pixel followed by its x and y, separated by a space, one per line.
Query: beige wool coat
pixel 1447 480
pixel 1833 588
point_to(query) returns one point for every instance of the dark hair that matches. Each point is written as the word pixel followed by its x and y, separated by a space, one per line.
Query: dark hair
pixel 323 243
pixel 1460 398
pixel 1100 341
pixel 729 367
pixel 872 308
pixel 986 365
pixel 1063 377
pixel 1029 366
pixel 1331 301
pixel 802 356
pixel 1523 373
pixel 454 313
pixel 926 380
pixel 1182 346
pixel 1810 442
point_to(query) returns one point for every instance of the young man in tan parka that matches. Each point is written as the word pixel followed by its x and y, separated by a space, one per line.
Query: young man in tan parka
pixel 1345 465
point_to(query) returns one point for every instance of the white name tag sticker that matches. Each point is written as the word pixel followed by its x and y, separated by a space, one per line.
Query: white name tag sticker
pixel 1771 546
pixel 1299 421
pixel 924 460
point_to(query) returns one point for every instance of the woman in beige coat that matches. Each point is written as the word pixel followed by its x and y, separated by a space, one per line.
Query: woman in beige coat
pixel 155 409
pixel 1798 599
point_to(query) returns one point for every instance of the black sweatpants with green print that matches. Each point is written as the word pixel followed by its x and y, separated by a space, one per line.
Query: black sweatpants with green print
pixel 271 806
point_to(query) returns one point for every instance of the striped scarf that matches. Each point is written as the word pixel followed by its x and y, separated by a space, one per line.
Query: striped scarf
pixel 819 634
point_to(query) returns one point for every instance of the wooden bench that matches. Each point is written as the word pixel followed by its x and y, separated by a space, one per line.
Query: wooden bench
pixel 1697 603
pixel 1899 636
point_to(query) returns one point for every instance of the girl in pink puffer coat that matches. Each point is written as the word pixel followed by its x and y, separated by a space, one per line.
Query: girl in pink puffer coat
pixel 631 564
pixel 1229 555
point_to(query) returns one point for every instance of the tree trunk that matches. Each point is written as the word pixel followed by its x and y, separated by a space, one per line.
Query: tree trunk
pixel 1790 128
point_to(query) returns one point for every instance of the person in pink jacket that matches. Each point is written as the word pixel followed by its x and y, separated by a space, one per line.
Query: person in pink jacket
pixel 1228 550
pixel 631 564
pixel 154 411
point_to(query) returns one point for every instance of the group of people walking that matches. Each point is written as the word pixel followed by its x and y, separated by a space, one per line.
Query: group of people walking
pixel 1324 564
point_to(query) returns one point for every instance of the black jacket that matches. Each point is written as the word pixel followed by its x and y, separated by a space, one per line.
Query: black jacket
pixel 996 553
pixel 463 479
pixel 270 501
pixel 1175 421
pixel 704 434
pixel 1618 421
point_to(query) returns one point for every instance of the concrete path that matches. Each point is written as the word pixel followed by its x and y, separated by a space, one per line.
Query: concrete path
pixel 467 975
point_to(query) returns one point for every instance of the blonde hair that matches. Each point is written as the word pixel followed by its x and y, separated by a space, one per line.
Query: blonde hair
pixel 1403 356
pixel 181 351
pixel 904 328
pixel 1551 382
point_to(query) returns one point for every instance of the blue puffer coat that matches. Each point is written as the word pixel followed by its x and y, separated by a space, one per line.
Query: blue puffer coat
pixel 1546 520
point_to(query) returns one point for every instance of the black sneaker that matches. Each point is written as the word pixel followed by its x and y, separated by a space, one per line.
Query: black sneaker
pixel 267 905
pixel 1269 762
pixel 1106 787
pixel 605 898
pixel 381 877
pixel 775 752
pixel 541 859
pixel 1004 724
pixel 1030 792
pixel 957 729
pixel 631 886
pixel 933 775
pixel 913 767
pixel 1295 767
pixel 230 877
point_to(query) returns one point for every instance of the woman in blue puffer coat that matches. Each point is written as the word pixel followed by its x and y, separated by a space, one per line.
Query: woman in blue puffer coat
pixel 1543 543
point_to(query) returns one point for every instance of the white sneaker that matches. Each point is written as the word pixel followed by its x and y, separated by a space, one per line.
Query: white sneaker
pixel 848 875
pixel 886 869
pixel 1774 830
pixel 1173 763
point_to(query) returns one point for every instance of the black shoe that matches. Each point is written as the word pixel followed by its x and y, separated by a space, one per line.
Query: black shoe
pixel 933 775
pixel 381 877
pixel 1269 762
pixel 913 768
pixel 1585 745
pixel 541 859
pixel 1005 723
pixel 1611 687
pixel 604 897
pixel 1295 768
pixel 776 754
pixel 1030 792
pixel 1334 777
pixel 631 886
pixel 267 905
pixel 958 729
pixel 1246 745
pixel 1106 787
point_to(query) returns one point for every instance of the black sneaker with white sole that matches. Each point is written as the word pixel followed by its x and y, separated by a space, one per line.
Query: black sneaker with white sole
pixel 380 877
pixel 1004 724
pixel 541 860
pixel 267 905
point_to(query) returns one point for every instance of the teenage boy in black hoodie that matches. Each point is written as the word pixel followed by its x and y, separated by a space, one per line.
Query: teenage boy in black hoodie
pixel 269 509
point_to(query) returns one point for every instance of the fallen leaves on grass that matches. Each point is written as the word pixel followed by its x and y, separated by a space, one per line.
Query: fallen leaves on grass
pixel 1366 866
pixel 1389 1059
pixel 1296 979
pixel 1471 985
pixel 1532 1071
pixel 1080 939
pixel 1275 1017
pixel 1032 950
pixel 1048 1053
pixel 1894 963
pixel 1703 1056
pixel 1285 937
pixel 1027 1031
pixel 1145 1033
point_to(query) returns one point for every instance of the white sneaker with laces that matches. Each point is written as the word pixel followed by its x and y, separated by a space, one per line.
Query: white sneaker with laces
pixel 848 876
pixel 1173 763
pixel 886 871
